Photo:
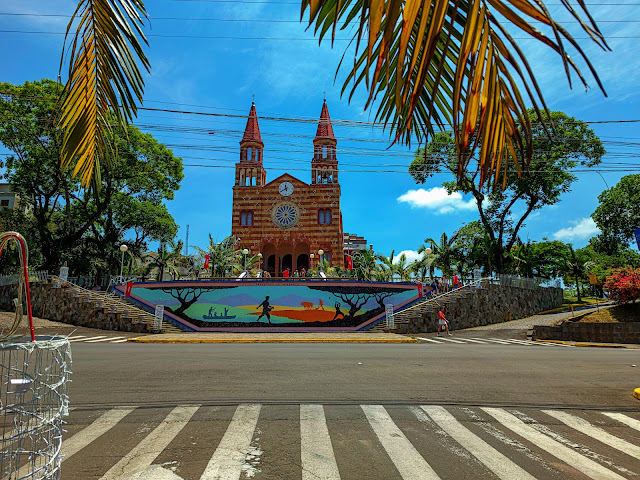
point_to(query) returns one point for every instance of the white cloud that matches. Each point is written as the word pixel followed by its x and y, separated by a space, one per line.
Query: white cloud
pixel 437 199
pixel 410 254
pixel 581 230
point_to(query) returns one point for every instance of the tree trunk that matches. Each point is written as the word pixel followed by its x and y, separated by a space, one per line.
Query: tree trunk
pixel 578 288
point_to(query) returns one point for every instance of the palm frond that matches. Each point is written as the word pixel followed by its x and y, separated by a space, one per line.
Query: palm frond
pixel 104 79
pixel 452 62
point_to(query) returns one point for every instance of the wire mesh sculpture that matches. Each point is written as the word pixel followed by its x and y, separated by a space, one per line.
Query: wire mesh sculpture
pixel 34 373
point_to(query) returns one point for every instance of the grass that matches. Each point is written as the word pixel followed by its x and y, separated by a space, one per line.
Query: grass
pixel 568 301
pixel 620 313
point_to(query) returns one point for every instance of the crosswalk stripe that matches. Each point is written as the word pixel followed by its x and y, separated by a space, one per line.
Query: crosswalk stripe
pixel 525 342
pixel 631 422
pixel 428 340
pixel 226 462
pixel 403 454
pixel 489 456
pixel 76 337
pixel 492 340
pixel 557 449
pixel 97 428
pixel 104 339
pixel 472 340
pixel 446 339
pixel 597 433
pixel 503 340
pixel 85 339
pixel 318 460
pixel 515 341
pixel 120 341
pixel 139 459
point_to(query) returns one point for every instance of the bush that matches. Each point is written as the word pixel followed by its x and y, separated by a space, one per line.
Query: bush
pixel 624 285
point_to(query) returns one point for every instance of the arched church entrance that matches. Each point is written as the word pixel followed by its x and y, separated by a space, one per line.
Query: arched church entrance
pixel 285 251
pixel 302 256
pixel 269 258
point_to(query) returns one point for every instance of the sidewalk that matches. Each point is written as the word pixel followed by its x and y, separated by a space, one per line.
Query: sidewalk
pixel 313 337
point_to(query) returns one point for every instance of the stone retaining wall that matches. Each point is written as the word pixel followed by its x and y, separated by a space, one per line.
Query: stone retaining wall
pixel 63 305
pixel 627 332
pixel 483 306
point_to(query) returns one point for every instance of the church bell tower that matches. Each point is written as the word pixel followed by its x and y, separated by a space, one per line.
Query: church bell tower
pixel 249 170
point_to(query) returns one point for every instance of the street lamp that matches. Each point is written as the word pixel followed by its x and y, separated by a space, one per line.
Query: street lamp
pixel 260 257
pixel 311 255
pixel 321 253
pixel 123 248
pixel 245 252
pixel 428 252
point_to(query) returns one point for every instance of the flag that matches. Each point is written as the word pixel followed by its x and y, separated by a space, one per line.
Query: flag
pixel 420 290
pixel 349 263
pixel 206 262
pixel 127 291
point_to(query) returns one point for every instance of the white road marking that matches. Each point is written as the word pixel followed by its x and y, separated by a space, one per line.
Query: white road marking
pixel 98 427
pixel 503 340
pixel 583 426
pixel 447 339
pixel 85 339
pixel 428 340
pixel 557 449
pixel 489 456
pixel 491 340
pixel 472 340
pixel 403 454
pixel 139 459
pixel 226 462
pixel 76 337
pixel 631 422
pixel 318 460
pixel 120 341
pixel 104 339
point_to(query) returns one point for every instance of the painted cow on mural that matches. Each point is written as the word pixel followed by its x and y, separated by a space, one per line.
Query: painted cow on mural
pixel 307 305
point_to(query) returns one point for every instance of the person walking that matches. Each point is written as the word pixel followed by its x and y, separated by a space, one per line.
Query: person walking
pixel 266 308
pixel 442 322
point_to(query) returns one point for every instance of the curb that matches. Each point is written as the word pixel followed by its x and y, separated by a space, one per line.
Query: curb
pixel 272 340
pixel 581 344
pixel 636 393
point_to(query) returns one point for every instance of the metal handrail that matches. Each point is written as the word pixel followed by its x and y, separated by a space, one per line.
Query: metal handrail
pixel 430 298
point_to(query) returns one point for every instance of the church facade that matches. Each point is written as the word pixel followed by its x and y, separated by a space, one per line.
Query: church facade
pixel 291 223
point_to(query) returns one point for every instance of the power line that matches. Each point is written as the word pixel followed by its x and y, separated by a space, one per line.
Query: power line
pixel 314 39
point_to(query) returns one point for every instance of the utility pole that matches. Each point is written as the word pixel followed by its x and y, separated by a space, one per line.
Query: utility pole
pixel 186 251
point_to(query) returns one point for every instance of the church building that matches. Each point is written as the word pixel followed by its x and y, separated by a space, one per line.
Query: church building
pixel 293 224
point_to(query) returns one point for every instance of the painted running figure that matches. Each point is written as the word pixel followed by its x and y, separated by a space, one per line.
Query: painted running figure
pixel 338 312
pixel 266 308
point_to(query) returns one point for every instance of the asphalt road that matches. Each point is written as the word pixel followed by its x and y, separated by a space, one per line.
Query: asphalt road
pixel 108 374
pixel 351 411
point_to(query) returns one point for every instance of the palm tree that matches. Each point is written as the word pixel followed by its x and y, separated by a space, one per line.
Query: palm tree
pixel 364 264
pixel 402 268
pixel 444 252
pixel 576 267
pixel 167 258
pixel 438 63
pixel 386 267
pixel 223 257
pixel 433 64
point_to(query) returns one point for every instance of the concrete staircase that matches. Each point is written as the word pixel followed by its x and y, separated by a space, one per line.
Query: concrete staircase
pixel 428 306
pixel 113 304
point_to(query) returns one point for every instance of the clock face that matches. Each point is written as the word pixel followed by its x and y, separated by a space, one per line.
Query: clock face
pixel 285 214
pixel 285 189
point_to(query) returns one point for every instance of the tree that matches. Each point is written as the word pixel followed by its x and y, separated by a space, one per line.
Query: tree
pixel 548 177
pixel 437 63
pixel 222 256
pixel 624 285
pixel 364 264
pixel 78 225
pixel 386 267
pixel 575 267
pixel 618 214
pixel 443 252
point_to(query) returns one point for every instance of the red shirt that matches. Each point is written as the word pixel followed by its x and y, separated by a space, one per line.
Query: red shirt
pixel 441 315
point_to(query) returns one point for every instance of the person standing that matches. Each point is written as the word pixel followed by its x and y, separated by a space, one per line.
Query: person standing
pixel 442 322
pixel 266 308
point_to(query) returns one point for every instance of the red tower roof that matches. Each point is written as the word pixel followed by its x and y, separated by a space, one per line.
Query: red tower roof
pixel 252 130
pixel 325 130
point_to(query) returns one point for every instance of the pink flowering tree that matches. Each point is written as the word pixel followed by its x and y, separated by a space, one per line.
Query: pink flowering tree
pixel 624 285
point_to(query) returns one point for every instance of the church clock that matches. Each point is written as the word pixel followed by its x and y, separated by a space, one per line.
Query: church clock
pixel 285 189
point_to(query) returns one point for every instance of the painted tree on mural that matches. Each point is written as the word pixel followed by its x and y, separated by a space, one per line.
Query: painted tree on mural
pixel 357 297
pixel 186 297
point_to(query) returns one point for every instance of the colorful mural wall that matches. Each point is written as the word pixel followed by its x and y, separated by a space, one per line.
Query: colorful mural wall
pixel 268 306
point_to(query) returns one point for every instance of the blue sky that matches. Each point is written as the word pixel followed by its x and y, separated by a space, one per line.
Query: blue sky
pixel 259 48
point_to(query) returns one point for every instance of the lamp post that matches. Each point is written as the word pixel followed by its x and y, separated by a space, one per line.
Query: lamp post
pixel 321 253
pixel 123 248
pixel 428 252
pixel 311 255
pixel 245 253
